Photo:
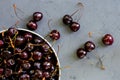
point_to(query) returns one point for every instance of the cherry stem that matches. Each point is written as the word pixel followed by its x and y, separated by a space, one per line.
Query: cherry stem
pixel 15 8
pixel 58 50
pixel 49 24
pixel 74 12
pixel 11 42
pixel 43 78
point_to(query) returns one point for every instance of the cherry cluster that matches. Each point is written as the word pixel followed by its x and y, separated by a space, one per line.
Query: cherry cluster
pixel 32 24
pixel 89 45
pixel 68 20
pixel 26 56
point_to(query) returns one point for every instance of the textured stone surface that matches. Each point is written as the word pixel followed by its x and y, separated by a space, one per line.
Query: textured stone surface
pixel 99 17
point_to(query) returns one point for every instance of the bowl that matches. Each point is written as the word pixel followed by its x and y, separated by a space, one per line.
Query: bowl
pixel 41 61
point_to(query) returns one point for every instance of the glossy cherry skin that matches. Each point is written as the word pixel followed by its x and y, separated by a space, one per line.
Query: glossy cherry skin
pixel 28 36
pixel 81 53
pixel 24 77
pixel 12 31
pixel 32 25
pixel 37 55
pixel 37 16
pixel 89 46
pixel 1 71
pixel 1 43
pixel 67 19
pixel 54 34
pixel 107 39
pixel 20 40
pixel 75 26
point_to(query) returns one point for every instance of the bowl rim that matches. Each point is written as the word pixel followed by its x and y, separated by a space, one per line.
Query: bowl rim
pixel 58 62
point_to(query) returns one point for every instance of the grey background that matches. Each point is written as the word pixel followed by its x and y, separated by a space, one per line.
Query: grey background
pixel 99 17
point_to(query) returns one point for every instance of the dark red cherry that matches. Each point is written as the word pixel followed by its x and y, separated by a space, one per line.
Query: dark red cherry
pixel 28 36
pixel 46 74
pixel 37 65
pixel 8 72
pixel 6 54
pixel 37 16
pixel 38 74
pixel 81 53
pixel 12 31
pixel 67 19
pixel 26 65
pixel 37 40
pixel 1 71
pixel 10 62
pixel 107 39
pixel 54 34
pixel 45 47
pixel 24 77
pixel 89 46
pixel 1 43
pixel 20 40
pixel 37 55
pixel 75 26
pixel 29 47
pixel 32 25
pixel 23 55
pixel 47 65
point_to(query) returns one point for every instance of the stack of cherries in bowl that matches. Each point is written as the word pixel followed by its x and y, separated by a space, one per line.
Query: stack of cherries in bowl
pixel 25 55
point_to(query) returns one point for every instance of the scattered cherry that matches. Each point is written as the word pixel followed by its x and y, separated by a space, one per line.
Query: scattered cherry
pixel 81 53
pixel 1 43
pixel 89 46
pixel 75 26
pixel 54 34
pixel 67 19
pixel 37 16
pixel 107 39
pixel 32 25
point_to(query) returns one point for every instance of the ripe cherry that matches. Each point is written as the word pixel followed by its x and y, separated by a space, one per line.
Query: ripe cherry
pixel 32 25
pixel 26 65
pixel 47 65
pixel 89 46
pixel 23 55
pixel 10 62
pixel 12 31
pixel 20 40
pixel 54 34
pixel 28 36
pixel 37 55
pixel 38 74
pixel 1 71
pixel 67 19
pixel 24 77
pixel 8 72
pixel 1 43
pixel 37 16
pixel 107 39
pixel 75 26
pixel 81 53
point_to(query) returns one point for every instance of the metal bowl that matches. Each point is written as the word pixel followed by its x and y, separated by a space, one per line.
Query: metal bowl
pixel 36 34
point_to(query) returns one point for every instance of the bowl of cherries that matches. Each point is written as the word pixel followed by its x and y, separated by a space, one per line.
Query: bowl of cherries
pixel 25 55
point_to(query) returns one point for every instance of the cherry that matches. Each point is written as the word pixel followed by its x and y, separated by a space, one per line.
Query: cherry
pixel 81 53
pixel 6 54
pixel 89 46
pixel 37 65
pixel 29 47
pixel 37 55
pixel 1 43
pixel 45 48
pixel 37 16
pixel 75 26
pixel 37 40
pixel 47 65
pixel 10 62
pixel 32 25
pixel 54 34
pixel 20 40
pixel 1 71
pixel 12 31
pixel 23 55
pixel 107 39
pixel 26 65
pixel 24 77
pixel 67 19
pixel 38 74
pixel 28 36
pixel 46 74
pixel 8 72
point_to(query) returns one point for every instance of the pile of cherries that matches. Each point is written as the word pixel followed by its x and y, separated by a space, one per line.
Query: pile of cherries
pixel 68 20
pixel 26 56
pixel 32 24
pixel 89 45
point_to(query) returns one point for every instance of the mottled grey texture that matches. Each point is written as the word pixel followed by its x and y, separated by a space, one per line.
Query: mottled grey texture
pixel 99 17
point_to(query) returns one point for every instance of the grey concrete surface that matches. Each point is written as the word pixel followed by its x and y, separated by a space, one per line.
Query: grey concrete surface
pixel 99 17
